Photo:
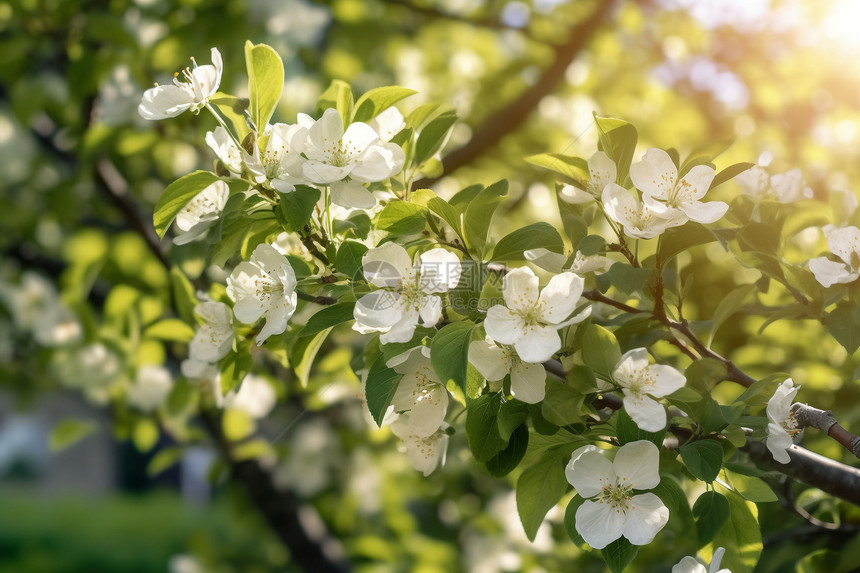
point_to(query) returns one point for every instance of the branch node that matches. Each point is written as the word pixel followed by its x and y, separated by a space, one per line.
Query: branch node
pixel 809 416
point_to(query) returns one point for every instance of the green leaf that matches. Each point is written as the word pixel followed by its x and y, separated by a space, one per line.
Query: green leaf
pixel 505 461
pixel 761 391
pixel 232 109
pixel 145 434
pixel 304 352
pixel 379 389
pixel 740 536
pixel 449 352
pixel 233 369
pixel 703 374
pixel 628 279
pixel 177 195
pixel 479 214
pixel 511 414
pixel 70 431
pixel 705 153
pixel 348 259
pixel 600 350
pixel 570 520
pixel 751 487
pixel 448 213
pixel 327 317
pixel 562 404
pixel 539 489
pixel 627 431
pixel 730 172
pixel 163 460
pixel 338 95
pixel 401 218
pixel 295 209
pixel 575 168
pixel 678 239
pixel 265 82
pixel 534 236
pixel 482 427
pixel 464 197
pixel 703 458
pixel 432 136
pixel 184 299
pixel 729 306
pixel 618 140
pixel 619 554
pixel 843 323
pixel 377 100
pixel 710 511
pixel 170 329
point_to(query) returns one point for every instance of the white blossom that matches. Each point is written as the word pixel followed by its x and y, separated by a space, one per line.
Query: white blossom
pixel 613 509
pixel 690 565
pixel 494 362
pixel 255 397
pixel 347 159
pixel 530 321
pixel 790 186
pixel 388 123
pixel 754 182
pixel 405 292
pixel 150 389
pixel 420 392
pixel 201 213
pixel 845 244
pixel 782 425
pixel 602 171
pixel 214 337
pixel 638 219
pixel 201 83
pixel 641 382
pixel 676 200
pixel 264 287
pixel 583 264
pixel 425 453
pixel 90 366
pixel 225 149
pixel 279 165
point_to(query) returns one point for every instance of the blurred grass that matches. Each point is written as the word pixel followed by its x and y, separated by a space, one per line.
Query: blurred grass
pixel 127 534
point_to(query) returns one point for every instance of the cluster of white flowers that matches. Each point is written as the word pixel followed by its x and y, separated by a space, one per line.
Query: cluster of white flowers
pixel 36 308
pixel 641 382
pixel 788 187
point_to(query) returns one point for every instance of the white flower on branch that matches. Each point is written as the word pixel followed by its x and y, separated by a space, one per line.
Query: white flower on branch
pixel 225 149
pixel 602 171
pixel 614 510
pixel 420 392
pixel 690 565
pixel 494 362
pixel 347 159
pixel 201 83
pixel 530 321
pixel 201 213
pixel 279 165
pixel 790 187
pixel 150 389
pixel 845 244
pixel 388 123
pixel 641 382
pixel 264 287
pixel 638 219
pixel 676 200
pixel 406 290
pixel 554 262
pixel 782 426
pixel 214 337
pixel 754 182
pixel 425 453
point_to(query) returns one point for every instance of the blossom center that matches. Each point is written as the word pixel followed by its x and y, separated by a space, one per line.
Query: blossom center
pixel 617 494
pixel 791 426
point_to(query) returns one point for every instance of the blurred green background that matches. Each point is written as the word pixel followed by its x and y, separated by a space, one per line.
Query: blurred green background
pixel 81 170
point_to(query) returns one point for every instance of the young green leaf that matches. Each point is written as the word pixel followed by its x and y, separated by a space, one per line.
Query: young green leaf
pixel 449 352
pixel 401 218
pixel 265 82
pixel 482 427
pixel 703 458
pixel 327 317
pixel 432 136
pixel 534 236
pixel 295 209
pixel 348 259
pixel 619 554
pixel 479 214
pixel 338 95
pixel 380 388
pixel 574 168
pixel 508 459
pixel 600 350
pixel 377 100
pixel 710 511
pixel 539 489
pixel 618 140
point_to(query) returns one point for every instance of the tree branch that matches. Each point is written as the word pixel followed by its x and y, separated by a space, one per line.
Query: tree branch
pixel 508 119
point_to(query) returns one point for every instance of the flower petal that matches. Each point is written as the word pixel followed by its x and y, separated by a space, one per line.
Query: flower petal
pixel 388 265
pixel 242 288
pixel 845 244
pixel 704 213
pixel 665 380
pixel 646 516
pixel 689 565
pixel 655 175
pixel 403 330
pixel 378 162
pixel 430 310
pixel 602 170
pixel 545 259
pixel 695 183
pixel 575 195
pixel 778 441
pixel 323 173
pixel 377 310
pixel 589 472
pixel 162 102
pixel 560 297
pixel 538 344
pixel 503 326
pixel 648 414
pixel 440 271
pixel 351 195
pixel 520 289
pixel 630 365
pixel 598 523
pixel 489 360
pixel 637 464
pixel 528 382
pixel 829 273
